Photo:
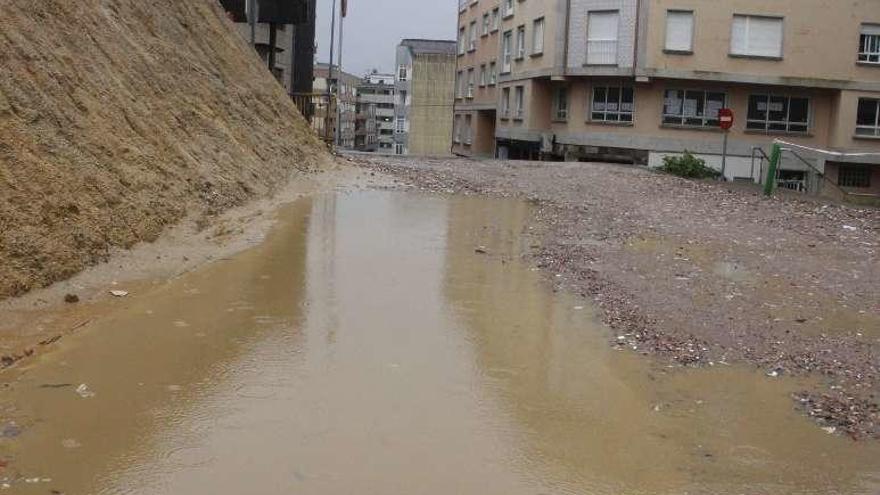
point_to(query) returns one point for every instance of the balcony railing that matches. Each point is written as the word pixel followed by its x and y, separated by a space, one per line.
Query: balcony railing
pixel 602 52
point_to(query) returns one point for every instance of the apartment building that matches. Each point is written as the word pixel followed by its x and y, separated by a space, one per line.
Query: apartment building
pixel 366 135
pixel 346 99
pixel 284 36
pixel 476 78
pixel 638 80
pixel 424 97
pixel 376 95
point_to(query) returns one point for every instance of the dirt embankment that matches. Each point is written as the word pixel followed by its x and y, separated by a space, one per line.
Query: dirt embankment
pixel 704 273
pixel 120 117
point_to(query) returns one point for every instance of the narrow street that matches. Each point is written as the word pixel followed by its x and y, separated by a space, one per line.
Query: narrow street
pixel 396 342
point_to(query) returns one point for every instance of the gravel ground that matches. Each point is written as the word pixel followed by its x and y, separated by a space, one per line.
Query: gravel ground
pixel 703 273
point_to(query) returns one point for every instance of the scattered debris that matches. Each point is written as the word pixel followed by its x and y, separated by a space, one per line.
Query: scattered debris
pixel 84 392
pixel 50 340
pixel 616 234
pixel 71 298
pixel 481 250
pixel 119 293
pixel 11 430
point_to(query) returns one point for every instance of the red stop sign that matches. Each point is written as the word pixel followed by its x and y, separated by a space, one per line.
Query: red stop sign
pixel 725 118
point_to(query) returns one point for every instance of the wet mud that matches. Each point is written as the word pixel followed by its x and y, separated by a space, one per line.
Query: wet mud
pixel 386 342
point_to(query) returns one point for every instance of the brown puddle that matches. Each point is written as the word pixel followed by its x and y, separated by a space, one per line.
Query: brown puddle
pixel 367 348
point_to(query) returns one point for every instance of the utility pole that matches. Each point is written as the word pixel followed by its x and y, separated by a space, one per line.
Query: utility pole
pixel 339 83
pixel 252 20
pixel 330 68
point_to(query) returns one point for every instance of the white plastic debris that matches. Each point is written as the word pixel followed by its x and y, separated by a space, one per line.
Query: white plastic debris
pixel 84 392
pixel 119 293
pixel 829 430
pixel 849 227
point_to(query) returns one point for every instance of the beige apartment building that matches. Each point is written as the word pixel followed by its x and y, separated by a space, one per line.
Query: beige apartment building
pixel 637 80
pixel 424 97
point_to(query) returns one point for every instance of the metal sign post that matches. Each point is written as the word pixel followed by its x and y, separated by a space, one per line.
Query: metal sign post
pixel 725 121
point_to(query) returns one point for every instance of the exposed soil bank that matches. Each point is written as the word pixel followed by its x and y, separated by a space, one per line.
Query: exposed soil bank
pixel 32 323
pixel 703 273
pixel 118 118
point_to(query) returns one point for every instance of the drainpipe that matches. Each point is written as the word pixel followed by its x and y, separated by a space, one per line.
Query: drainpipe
pixel 454 82
pixel 636 37
pixel 566 35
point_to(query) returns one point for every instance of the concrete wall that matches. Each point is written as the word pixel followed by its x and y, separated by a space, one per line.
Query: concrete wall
pixel 820 41
pixel 283 41
pixel 401 109
pixel 525 13
pixel 647 130
pixel 577 41
pixel 831 173
pixel 485 96
pixel 431 111
pixel 843 126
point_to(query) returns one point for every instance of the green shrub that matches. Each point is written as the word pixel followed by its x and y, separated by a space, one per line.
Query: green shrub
pixel 689 166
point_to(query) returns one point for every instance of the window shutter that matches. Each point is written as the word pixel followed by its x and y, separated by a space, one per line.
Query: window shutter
pixel 602 37
pixel 871 29
pixel 765 36
pixel 759 36
pixel 679 31
pixel 603 26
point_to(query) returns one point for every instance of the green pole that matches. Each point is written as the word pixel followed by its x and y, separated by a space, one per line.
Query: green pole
pixel 770 181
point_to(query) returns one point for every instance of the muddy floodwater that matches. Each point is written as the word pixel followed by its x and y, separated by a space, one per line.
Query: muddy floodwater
pixel 388 343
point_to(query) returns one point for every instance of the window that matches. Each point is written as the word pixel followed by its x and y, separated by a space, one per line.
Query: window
pixel 854 176
pixel 869 51
pixel 756 36
pixel 505 103
pixel 520 42
pixel 778 113
pixel 456 134
pixel 484 78
pixel 468 130
pixel 462 41
pixel 602 29
pixel 560 104
pixel 458 84
pixel 868 119
pixel 472 36
pixel 538 36
pixel 486 25
pixel 612 104
pixel 496 19
pixel 506 52
pixel 493 73
pixel 401 125
pixel 402 95
pixel 519 101
pixel 679 31
pixel 399 149
pixel 470 83
pixel 692 108
pixel 401 73
pixel 507 8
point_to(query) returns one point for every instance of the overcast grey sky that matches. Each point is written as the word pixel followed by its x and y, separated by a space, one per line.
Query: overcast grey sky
pixel 373 29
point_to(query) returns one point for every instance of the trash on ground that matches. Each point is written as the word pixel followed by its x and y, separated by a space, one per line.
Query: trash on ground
pixel 119 293
pixel 84 391
pixel 11 430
